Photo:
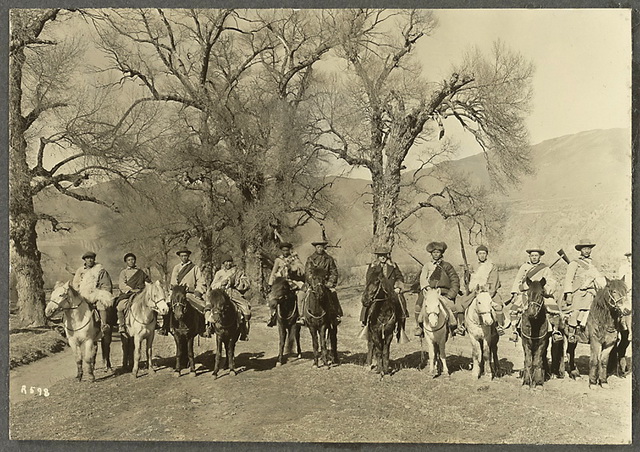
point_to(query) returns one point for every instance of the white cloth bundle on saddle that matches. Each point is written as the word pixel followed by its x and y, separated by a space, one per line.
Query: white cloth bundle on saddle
pixel 480 276
pixel 103 299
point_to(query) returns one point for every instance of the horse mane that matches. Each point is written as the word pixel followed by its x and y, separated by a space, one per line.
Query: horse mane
pixel 600 310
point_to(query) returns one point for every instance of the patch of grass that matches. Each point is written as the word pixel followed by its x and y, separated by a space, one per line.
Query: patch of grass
pixel 28 345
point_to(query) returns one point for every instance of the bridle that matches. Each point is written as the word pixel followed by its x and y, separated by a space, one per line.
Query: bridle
pixel 314 288
pixel 153 308
pixel 65 297
pixel 614 303
pixel 538 302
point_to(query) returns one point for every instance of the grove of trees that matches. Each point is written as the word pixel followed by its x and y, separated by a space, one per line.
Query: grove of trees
pixel 217 124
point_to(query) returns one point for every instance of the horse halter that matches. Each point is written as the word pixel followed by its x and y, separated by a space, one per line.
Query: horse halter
pixel 65 297
pixel 614 303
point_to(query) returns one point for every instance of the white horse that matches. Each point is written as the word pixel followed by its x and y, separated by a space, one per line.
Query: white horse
pixel 80 323
pixel 481 326
pixel 141 322
pixel 434 324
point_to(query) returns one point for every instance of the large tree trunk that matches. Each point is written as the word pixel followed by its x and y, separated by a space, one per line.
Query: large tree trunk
pixel 206 256
pixel 386 192
pixel 23 238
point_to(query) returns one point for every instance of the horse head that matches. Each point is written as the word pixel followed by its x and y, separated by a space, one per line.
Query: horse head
pixel 483 306
pixel 280 290
pixel 317 278
pixel 155 298
pixel 615 296
pixel 221 307
pixel 535 297
pixel 374 286
pixel 59 299
pixel 178 301
pixel 432 306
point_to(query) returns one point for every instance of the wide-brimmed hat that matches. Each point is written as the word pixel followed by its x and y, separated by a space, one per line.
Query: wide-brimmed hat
pixel 226 257
pixel 382 250
pixel 126 256
pixel 436 246
pixel 319 242
pixel 584 242
pixel 183 250
pixel 89 254
pixel 482 248
pixel 537 250
pixel 286 245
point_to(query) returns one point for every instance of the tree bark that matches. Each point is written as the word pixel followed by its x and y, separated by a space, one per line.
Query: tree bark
pixel 24 253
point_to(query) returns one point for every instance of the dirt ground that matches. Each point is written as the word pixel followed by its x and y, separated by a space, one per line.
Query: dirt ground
pixel 295 402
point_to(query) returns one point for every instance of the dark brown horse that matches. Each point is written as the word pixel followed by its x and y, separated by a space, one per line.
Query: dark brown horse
pixel 226 324
pixel 185 322
pixel 382 321
pixel 603 325
pixel 318 318
pixel 287 316
pixel 534 330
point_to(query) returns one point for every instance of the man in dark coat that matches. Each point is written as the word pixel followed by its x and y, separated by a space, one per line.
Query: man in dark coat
pixel 132 281
pixel 320 259
pixel 438 274
pixel 392 280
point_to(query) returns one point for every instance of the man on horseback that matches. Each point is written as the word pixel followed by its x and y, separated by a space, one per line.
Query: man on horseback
pixel 438 274
pixel 624 272
pixel 288 266
pixel 320 259
pixel 188 274
pixel 534 270
pixel 392 281
pixel 94 283
pixel 131 281
pixel 580 284
pixel 233 281
pixel 483 275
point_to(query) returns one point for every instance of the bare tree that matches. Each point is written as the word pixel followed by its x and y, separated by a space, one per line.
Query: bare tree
pixel 382 109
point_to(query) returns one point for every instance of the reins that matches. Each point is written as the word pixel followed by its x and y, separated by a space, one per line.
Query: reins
pixel 152 309
pixel 71 308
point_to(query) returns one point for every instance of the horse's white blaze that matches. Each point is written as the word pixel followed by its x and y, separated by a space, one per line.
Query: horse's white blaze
pixel 483 301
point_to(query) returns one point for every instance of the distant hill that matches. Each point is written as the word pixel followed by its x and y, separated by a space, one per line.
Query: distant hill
pixel 581 188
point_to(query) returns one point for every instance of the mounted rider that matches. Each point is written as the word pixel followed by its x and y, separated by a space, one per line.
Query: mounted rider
pixel 289 266
pixel 624 272
pixel 235 283
pixel 484 276
pixel 93 282
pixel 580 285
pixel 534 270
pixel 438 274
pixel 131 281
pixel 321 260
pixel 392 281
pixel 188 274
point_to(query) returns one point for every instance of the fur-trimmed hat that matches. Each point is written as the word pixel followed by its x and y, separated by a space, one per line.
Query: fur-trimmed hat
pixel 436 246
pixel 183 250
pixel 226 257
pixel 128 255
pixel 89 254
pixel 583 243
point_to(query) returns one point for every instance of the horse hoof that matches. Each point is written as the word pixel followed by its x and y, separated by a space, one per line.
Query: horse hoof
pixel 176 374
pixel 278 364
pixel 232 373
pixel 593 387
pixel 605 386
pixel 299 355
pixel 314 365
pixel 215 376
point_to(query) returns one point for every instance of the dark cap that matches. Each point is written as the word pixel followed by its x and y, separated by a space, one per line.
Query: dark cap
pixel 89 254
pixel 128 255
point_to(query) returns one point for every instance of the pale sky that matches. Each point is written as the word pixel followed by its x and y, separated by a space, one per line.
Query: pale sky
pixel 582 58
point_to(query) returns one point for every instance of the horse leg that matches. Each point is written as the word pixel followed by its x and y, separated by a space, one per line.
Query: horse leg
pixel 90 352
pixel 282 333
pixel 78 352
pixel 571 352
pixel 486 357
pixel 150 353
pixel 594 362
pixel 527 377
pixel 137 344
pixel 621 353
pixel 386 351
pixel 443 355
pixel 557 358
pixel 296 329
pixel 494 359
pixel 323 345
pixel 216 365
pixel 192 364
pixel 431 350
pixel 314 340
pixel 476 355
pixel 604 359
pixel 178 367
pixel 231 356
pixel 538 365
pixel 105 349
pixel 369 361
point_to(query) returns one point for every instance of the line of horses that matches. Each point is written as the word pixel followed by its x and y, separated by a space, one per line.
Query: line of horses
pixel 603 330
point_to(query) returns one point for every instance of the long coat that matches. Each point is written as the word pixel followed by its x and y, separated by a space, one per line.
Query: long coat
pixel 440 275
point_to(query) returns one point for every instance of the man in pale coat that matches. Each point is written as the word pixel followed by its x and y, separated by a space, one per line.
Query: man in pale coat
pixel 93 282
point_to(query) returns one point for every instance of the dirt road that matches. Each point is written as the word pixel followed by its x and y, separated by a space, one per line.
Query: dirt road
pixel 298 403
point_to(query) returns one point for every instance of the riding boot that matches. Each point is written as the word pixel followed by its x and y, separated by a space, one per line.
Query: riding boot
pixel 104 325
pixel 461 330
pixel 121 323
pixel 272 319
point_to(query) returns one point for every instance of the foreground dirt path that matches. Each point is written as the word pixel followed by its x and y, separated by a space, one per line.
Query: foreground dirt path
pixel 298 403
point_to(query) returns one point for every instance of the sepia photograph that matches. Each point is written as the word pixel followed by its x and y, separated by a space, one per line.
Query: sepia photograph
pixel 334 226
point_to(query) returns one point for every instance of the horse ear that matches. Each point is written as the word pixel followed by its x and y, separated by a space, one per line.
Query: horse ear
pixel 543 281
pixel 622 279
pixel 438 290
pixel 66 285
